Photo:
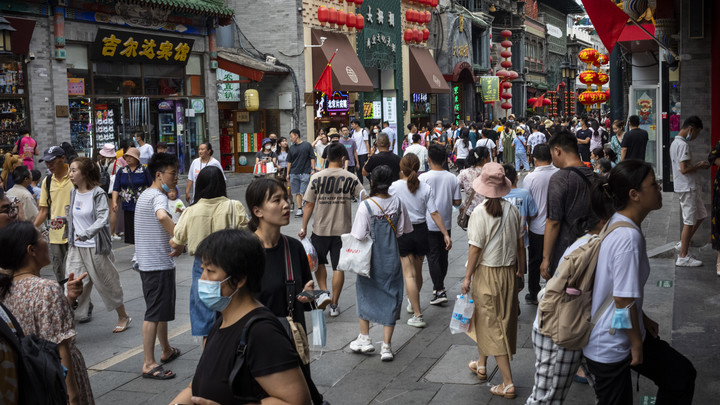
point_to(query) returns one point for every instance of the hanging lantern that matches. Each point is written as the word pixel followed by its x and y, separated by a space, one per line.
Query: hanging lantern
pixel 601 79
pixel 585 98
pixel 607 93
pixel 323 15
pixel 506 106
pixel 252 100
pixel 428 17
pixel 433 3
pixel 359 20
pixel 506 96
pixel 332 15
pixel 532 100
pixel 350 20
pixel 589 56
pixel 426 34
pixel 506 54
pixel 513 75
pixel 506 85
pixel 546 102
pixel 588 77
pixel 410 15
pixel 602 59
pixel 506 44
pixel 342 18
pixel 408 35
pixel 506 64
pixel 418 35
pixel 358 3
pixel 562 85
pixel 503 74
pixel 506 33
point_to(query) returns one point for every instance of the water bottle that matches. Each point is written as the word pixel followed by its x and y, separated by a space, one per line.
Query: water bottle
pixel 457 315
pixel 467 315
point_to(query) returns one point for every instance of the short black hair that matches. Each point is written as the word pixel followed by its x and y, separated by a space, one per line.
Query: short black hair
pixel 210 183
pixel 410 126
pixel 21 173
pixel 22 131
pixel 343 126
pixel 605 165
pixel 355 121
pixel 239 253
pixel 258 192
pixel 380 180
pixel 542 153
pixel 510 172
pixel 693 121
pixel 208 145
pixel 295 131
pixel 15 238
pixel 634 121
pixel 335 152
pixel 416 138
pixel 564 140
pixel 437 154
pixel 140 134
pixel 386 123
pixel 36 174
pixel 159 162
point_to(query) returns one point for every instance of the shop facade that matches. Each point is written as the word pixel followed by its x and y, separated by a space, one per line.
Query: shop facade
pixel 455 57
pixel 14 110
pixel 99 76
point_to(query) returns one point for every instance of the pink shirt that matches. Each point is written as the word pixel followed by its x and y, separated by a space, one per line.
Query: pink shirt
pixel 26 149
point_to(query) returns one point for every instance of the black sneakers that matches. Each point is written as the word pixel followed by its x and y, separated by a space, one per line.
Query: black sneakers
pixel 438 297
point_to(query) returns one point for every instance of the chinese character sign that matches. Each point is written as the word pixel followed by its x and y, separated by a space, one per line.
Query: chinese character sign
pixel 133 47
pixel 228 86
pixel 490 88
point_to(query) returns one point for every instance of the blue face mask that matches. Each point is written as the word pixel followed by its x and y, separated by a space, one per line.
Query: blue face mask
pixel 210 294
pixel 165 188
pixel 621 319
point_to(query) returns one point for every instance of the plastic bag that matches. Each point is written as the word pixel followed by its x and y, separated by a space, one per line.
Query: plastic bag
pixel 355 255
pixel 311 254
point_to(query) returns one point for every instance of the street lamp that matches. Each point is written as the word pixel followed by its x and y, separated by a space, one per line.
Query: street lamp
pixel 568 71
pixel 5 36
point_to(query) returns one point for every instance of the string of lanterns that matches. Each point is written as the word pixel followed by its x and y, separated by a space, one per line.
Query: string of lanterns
pixel 506 75
pixel 419 33
pixel 591 78
pixel 340 18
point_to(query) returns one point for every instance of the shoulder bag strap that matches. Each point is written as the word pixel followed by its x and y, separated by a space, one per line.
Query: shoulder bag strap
pixel 384 214
pixel 502 222
pixel 240 352
pixel 232 210
pixel 469 199
pixel 289 280
pixel 579 173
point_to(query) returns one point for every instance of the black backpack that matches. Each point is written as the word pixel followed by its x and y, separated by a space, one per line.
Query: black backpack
pixel 104 179
pixel 70 153
pixel 38 365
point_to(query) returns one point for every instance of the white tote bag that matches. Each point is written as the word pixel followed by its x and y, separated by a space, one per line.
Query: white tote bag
pixel 355 255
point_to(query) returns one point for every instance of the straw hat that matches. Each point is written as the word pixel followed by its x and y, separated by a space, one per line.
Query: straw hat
pixel 548 123
pixel 332 131
pixel 492 182
pixel 134 152
pixel 108 150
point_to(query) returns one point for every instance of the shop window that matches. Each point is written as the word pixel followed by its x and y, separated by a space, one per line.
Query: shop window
pixel 162 80
pixel 117 79
pixel 193 73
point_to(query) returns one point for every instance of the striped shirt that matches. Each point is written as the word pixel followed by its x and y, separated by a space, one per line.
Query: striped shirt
pixel 152 242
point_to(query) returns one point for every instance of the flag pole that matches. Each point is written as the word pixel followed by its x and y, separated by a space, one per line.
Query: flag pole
pixel 670 51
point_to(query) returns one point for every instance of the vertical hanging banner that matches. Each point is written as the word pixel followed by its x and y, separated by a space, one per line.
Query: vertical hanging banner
pixel 490 88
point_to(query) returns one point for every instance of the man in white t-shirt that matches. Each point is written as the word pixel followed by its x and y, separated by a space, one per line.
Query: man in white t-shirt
pixel 392 136
pixel 536 182
pixel 362 144
pixel 447 194
pixel 691 203
pixel 146 150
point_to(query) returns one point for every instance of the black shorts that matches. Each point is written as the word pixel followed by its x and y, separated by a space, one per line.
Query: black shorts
pixel 159 292
pixel 416 242
pixel 325 244
pixel 129 220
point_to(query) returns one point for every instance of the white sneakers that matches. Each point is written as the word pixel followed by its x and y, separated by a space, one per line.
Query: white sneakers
pixel 409 308
pixel 386 353
pixel 322 301
pixel 334 310
pixel 687 261
pixel 362 344
pixel 417 321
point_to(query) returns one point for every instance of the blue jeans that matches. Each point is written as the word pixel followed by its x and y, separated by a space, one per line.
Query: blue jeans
pixel 202 318
pixel 521 158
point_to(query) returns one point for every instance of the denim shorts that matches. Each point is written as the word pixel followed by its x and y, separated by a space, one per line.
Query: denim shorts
pixel 299 183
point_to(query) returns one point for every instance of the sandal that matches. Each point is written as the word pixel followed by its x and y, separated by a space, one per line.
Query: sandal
pixel 120 329
pixel 159 373
pixel 480 371
pixel 175 354
pixel 496 390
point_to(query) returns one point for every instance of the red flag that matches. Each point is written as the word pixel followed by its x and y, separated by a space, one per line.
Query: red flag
pixel 539 102
pixel 608 20
pixel 324 83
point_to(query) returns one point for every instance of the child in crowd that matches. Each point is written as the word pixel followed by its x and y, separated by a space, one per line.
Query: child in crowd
pixel 34 184
pixel 175 205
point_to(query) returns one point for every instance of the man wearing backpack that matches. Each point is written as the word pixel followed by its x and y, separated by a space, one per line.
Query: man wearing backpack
pixel 568 199
pixel 54 203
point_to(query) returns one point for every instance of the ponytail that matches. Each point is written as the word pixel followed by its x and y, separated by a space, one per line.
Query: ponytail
pixel 493 206
pixel 477 156
pixel 409 165
pixel 612 194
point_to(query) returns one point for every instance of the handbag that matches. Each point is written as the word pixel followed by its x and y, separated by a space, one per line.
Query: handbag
pixel 463 217
pixel 295 329
pixel 355 255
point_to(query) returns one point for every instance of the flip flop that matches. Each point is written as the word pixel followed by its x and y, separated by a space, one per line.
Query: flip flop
pixel 120 329
pixel 158 373
pixel 175 354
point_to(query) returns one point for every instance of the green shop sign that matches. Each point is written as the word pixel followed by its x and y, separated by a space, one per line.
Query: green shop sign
pixel 490 88
pixel 379 43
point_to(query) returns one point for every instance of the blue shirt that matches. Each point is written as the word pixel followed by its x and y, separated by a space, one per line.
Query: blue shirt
pixel 473 139
pixel 523 200
pixel 518 143
pixel 130 184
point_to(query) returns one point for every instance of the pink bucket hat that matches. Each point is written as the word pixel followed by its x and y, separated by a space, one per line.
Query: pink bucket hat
pixel 108 150
pixel 492 182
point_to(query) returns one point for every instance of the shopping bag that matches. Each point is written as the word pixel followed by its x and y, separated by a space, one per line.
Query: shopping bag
pixel 260 169
pixel 355 255
pixel 270 168
pixel 471 331
pixel 311 254
pixel 319 328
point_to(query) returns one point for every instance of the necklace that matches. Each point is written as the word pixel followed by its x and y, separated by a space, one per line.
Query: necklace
pixel 22 274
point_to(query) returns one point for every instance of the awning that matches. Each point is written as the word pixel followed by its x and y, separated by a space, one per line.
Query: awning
pixel 425 76
pixel 348 73
pixel 246 66
pixel 20 38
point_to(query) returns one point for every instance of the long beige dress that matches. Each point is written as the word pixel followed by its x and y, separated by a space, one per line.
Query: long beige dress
pixel 494 287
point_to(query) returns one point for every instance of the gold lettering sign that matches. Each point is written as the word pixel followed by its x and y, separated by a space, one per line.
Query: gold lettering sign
pixel 110 45
pixel 135 47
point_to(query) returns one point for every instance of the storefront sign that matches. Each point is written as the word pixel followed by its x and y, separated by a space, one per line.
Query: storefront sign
pixel 419 98
pixel 554 31
pixel 372 110
pixel 337 104
pixel 228 86
pixel 133 47
pixel 389 109
pixel 198 105
pixel 76 87
pixel 379 43
pixel 490 88
pixel 420 104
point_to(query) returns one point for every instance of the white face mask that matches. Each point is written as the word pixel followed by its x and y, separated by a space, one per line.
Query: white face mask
pixel 268 146
pixel 375 131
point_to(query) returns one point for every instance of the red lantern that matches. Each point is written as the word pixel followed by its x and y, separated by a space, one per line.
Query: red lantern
pixel 607 92
pixel 513 75
pixel 506 96
pixel 342 17
pixel 562 85
pixel 586 98
pixel 408 35
pixel 410 15
pixel 426 34
pixel 587 77
pixel 433 3
pixel 506 105
pixel 359 20
pixel 507 85
pixel 350 20
pixel 506 64
pixel 588 55
pixel 506 54
pixel 603 59
pixel 546 102
pixel 428 17
pixel 332 15
pixel 359 3
pixel 323 15
pixel 506 44
pixel 418 35
pixel 601 79
pixel 532 100
pixel 506 33
pixel 503 74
